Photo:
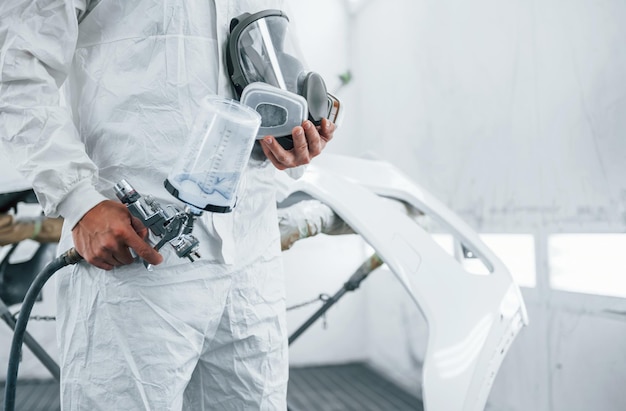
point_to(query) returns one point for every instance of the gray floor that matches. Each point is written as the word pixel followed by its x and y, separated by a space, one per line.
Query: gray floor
pixel 36 395
pixel 349 387
pixel 329 388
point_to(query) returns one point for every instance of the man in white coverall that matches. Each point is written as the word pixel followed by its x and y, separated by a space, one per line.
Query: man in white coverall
pixel 204 335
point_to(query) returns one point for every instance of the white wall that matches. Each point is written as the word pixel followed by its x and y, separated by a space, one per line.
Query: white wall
pixel 510 112
pixel 324 30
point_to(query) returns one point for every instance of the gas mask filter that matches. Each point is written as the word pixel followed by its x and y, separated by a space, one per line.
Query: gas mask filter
pixel 268 75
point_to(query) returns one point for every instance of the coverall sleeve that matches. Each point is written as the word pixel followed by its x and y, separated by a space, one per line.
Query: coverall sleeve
pixel 37 44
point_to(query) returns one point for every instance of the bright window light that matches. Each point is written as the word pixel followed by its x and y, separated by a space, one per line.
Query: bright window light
pixel 588 263
pixel 517 252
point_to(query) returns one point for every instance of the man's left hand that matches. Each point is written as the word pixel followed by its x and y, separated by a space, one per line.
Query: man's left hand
pixel 308 142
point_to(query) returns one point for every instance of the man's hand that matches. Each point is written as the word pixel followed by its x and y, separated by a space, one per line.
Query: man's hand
pixel 308 142
pixel 104 235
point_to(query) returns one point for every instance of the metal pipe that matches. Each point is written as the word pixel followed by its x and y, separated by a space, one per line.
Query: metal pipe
pixel 355 280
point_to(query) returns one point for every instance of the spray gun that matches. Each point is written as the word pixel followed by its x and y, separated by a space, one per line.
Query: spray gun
pixel 171 224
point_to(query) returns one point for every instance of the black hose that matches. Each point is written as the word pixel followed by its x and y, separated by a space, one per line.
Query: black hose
pixel 67 258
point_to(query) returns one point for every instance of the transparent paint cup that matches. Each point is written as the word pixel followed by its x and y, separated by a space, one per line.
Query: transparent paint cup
pixel 207 173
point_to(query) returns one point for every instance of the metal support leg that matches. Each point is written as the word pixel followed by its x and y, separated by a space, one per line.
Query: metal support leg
pixel 32 344
pixel 352 284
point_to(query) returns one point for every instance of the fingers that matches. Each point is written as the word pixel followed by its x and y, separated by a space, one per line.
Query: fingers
pixel 284 159
pixel 116 252
pixel 105 233
pixel 139 228
pixel 271 146
pixel 308 142
pixel 143 249
pixel 305 144
pixel 327 129
pixel 108 258
pixel 105 252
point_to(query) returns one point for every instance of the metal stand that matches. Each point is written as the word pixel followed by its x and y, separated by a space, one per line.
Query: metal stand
pixel 352 284
pixel 15 280
pixel 31 343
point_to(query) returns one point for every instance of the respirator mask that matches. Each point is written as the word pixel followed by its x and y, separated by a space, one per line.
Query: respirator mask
pixel 268 75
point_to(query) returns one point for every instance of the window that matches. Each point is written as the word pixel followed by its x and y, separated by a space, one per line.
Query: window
pixel 588 263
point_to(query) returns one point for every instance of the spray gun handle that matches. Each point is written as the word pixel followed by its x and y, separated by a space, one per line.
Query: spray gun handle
pixel 173 227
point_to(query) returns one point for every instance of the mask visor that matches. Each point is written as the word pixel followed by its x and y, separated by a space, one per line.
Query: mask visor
pixel 268 54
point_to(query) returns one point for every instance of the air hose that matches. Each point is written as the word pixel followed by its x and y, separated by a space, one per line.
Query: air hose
pixel 71 256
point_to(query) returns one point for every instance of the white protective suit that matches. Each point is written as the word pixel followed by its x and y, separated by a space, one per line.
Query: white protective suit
pixel 10 180
pixel 194 336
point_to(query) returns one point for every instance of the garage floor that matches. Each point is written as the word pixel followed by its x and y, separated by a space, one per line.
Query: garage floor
pixel 329 388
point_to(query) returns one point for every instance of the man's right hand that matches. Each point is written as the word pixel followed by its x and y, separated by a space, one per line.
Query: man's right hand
pixel 107 232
